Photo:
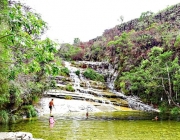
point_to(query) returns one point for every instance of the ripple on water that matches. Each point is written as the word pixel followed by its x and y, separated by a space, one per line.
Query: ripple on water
pixel 99 126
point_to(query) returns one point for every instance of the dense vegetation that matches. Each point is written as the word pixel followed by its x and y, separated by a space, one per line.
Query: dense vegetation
pixel 145 53
pixel 92 75
pixel 26 60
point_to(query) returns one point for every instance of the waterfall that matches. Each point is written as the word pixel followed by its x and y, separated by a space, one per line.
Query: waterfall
pixel 133 102
pixel 86 90
pixel 77 79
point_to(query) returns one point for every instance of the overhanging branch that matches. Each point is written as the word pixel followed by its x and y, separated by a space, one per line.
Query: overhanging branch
pixel 5 36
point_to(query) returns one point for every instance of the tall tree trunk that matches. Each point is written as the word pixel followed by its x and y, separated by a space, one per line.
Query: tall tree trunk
pixel 169 93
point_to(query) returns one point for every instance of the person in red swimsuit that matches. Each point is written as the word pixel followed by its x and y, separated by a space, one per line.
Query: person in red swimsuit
pixel 51 104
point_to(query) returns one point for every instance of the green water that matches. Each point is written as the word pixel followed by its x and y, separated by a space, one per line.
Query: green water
pixel 103 126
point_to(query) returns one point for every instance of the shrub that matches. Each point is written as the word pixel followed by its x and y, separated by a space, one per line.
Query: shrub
pixel 35 99
pixel 177 42
pixel 70 88
pixel 72 62
pixel 53 83
pixel 77 72
pixel 29 111
pixel 64 71
pixel 91 74
pixel 13 118
pixel 163 108
pixel 68 97
pixel 175 111
pixel 4 116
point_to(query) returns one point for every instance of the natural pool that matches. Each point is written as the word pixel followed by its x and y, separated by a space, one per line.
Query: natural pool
pixel 100 126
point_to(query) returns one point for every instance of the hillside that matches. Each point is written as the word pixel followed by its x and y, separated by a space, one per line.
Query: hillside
pixel 144 52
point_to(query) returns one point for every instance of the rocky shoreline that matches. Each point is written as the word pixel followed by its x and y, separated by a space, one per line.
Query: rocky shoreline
pixel 17 136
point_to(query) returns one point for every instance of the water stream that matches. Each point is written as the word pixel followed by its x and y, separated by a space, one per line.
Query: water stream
pixel 85 91
pixel 107 69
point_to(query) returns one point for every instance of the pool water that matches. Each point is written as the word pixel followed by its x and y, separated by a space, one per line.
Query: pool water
pixel 99 126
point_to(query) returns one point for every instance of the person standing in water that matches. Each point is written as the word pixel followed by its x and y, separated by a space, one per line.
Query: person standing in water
pixel 155 118
pixel 51 104
pixel 87 114
pixel 51 121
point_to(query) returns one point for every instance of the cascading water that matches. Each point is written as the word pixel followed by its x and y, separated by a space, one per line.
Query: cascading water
pixel 112 74
pixel 73 76
pixel 88 89
pixel 107 69
pixel 77 81
pixel 133 101
pixel 85 91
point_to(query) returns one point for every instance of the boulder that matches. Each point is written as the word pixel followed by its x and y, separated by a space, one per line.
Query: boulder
pixel 17 136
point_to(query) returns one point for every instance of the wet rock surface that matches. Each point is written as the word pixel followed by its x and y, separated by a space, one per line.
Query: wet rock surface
pixel 103 95
pixel 63 106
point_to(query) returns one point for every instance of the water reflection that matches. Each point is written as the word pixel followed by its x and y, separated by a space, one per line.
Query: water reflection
pixel 51 125
pixel 106 126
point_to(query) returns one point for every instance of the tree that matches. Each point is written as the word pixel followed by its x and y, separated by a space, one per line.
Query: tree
pixel 76 41
pixel 70 52
pixel 4 58
pixel 156 77
pixel 25 59
pixel 121 19
pixel 3 5
pixel 146 15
